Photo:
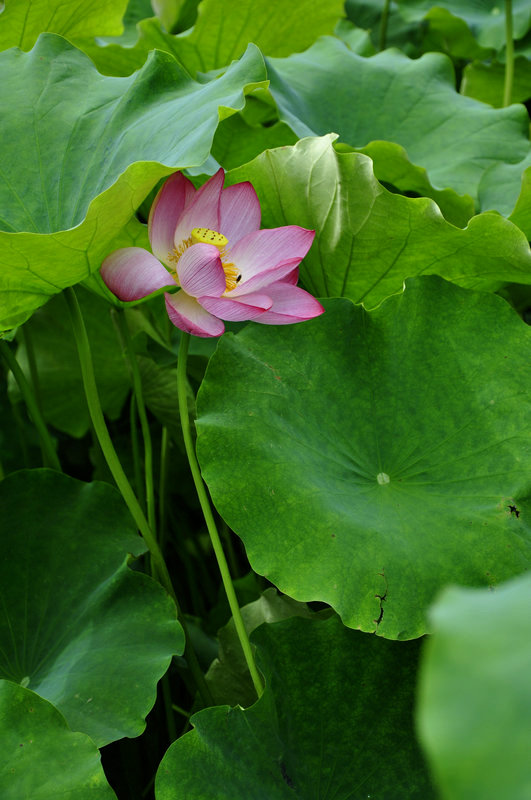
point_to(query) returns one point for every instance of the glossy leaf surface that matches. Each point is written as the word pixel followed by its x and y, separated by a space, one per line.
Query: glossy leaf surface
pixel 369 459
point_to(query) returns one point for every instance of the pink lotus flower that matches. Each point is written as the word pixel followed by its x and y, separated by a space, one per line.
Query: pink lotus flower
pixel 208 242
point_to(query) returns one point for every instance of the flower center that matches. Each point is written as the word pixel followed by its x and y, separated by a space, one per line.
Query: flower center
pixel 208 236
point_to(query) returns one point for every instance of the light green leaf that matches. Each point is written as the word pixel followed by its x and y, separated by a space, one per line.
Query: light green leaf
pixel 168 11
pixel 40 757
pixel 107 141
pixel 507 188
pixel 368 459
pixel 369 240
pixel 392 167
pixel 410 102
pixel 357 39
pixel 222 33
pixel 136 11
pixel 334 721
pixel 77 626
pixel 485 18
pixel 474 703
pixel 224 28
pixel 24 20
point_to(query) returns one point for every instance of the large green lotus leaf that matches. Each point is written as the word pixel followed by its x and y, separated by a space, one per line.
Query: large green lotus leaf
pixel 485 18
pixel 474 704
pixel 486 82
pixel 393 98
pixel 222 32
pixel 368 459
pixel 24 20
pixel 77 626
pixel 81 151
pixel 40 757
pixel 369 240
pixel 334 721
pixel 62 395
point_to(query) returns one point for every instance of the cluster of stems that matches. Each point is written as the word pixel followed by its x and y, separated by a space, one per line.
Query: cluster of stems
pixel 146 522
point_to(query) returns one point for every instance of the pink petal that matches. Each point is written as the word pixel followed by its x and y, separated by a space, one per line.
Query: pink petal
pixel 239 211
pixel 237 310
pixel 290 304
pixel 269 250
pixel 203 211
pixel 186 313
pixel 200 271
pixel 132 273
pixel 264 279
pixel 167 208
pixel 292 277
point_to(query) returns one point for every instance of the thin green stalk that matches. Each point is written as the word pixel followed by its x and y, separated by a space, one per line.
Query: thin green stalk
pixel 51 456
pixel 21 432
pixel 27 340
pixel 163 483
pixel 168 707
pixel 138 395
pixel 209 518
pixel 383 25
pixel 113 462
pixel 509 54
pixel 181 711
pixel 123 328
pixel 137 466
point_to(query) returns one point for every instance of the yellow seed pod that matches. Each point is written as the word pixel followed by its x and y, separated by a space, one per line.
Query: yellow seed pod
pixel 206 236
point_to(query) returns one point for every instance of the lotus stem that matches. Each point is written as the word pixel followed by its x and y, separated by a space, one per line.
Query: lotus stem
pixel 509 54
pixel 383 25
pixel 209 517
pixel 51 457
pixel 113 462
